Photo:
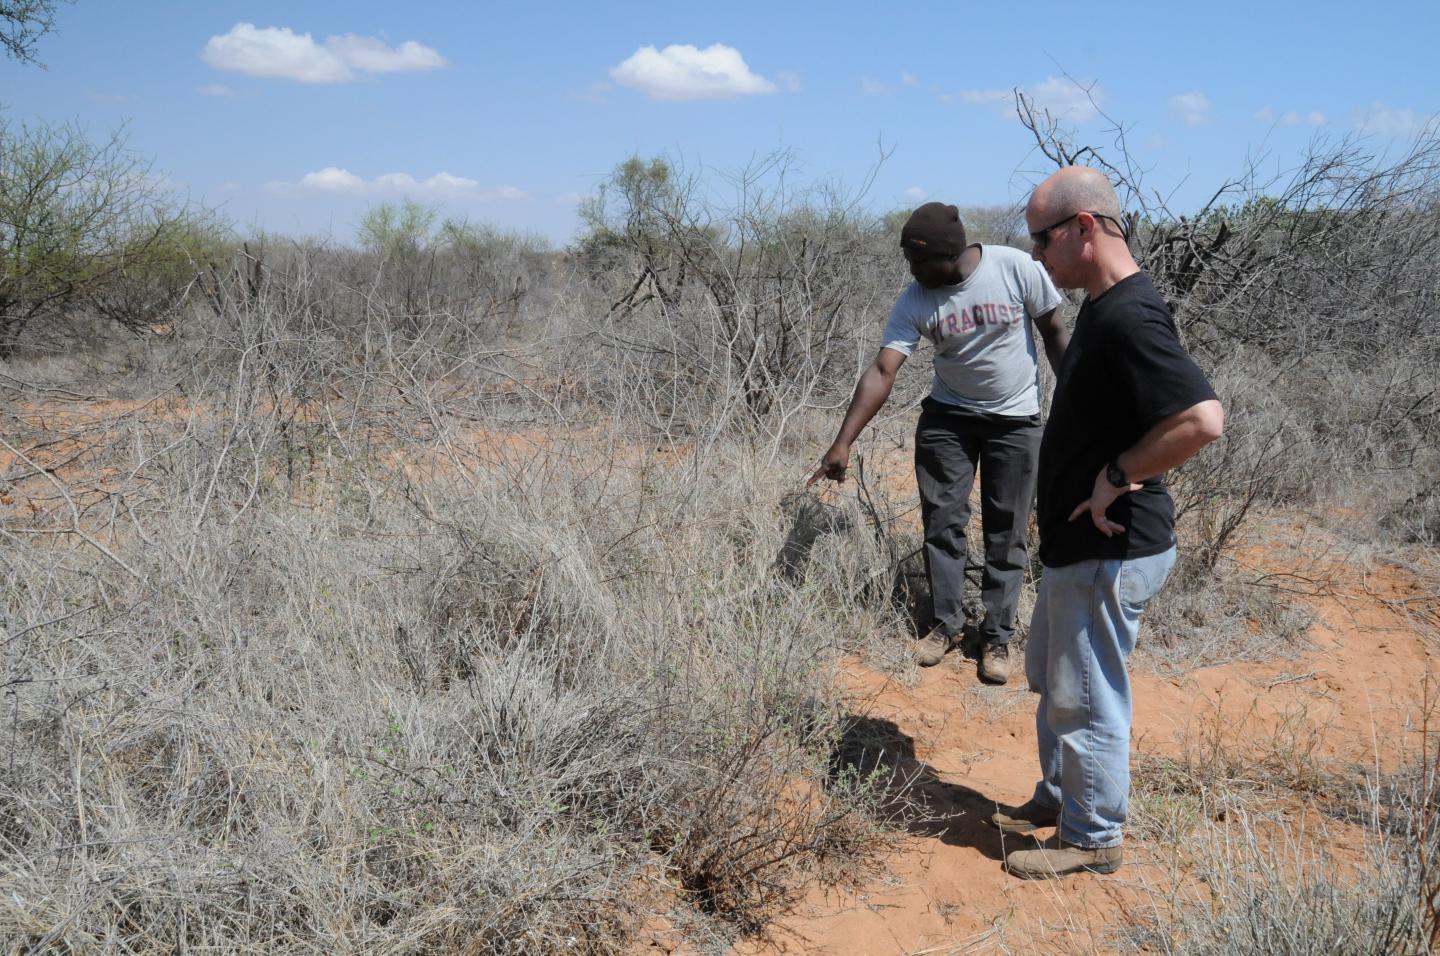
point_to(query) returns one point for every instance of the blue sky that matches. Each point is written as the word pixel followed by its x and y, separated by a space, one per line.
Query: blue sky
pixel 296 117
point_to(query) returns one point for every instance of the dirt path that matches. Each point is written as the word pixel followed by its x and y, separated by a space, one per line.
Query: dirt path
pixel 1353 700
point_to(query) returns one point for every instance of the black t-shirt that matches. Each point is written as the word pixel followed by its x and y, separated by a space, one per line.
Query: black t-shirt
pixel 1123 371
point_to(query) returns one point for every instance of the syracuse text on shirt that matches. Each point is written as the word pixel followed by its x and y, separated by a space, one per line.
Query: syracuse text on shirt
pixel 968 320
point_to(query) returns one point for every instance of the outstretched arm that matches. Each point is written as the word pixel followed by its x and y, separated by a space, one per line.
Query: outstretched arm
pixel 870 394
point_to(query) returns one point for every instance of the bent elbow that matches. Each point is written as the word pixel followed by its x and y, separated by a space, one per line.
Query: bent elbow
pixel 1211 420
pixel 880 377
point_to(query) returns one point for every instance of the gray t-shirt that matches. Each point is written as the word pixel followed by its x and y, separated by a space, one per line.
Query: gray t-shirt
pixel 985 358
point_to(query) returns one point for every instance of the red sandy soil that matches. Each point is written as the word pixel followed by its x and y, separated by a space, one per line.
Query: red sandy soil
pixel 1353 700
pixel 93 449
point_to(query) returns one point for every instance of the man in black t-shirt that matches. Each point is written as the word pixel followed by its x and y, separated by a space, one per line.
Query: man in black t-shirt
pixel 1129 405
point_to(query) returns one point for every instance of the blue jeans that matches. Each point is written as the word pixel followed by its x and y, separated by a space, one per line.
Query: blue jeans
pixel 1087 616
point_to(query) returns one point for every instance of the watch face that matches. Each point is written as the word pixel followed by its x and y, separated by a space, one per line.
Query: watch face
pixel 1115 476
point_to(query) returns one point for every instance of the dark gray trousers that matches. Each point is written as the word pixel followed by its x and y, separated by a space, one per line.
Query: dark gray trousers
pixel 950 444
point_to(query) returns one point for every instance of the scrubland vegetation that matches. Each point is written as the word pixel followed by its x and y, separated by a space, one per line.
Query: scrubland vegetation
pixel 452 591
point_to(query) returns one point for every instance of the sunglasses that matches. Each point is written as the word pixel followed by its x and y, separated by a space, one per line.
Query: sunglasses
pixel 1042 238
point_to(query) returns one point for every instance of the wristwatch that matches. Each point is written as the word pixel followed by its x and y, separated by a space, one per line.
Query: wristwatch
pixel 1115 474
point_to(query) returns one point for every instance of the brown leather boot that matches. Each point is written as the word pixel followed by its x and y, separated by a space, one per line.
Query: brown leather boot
pixel 1026 818
pixel 1062 860
pixel 994 667
pixel 932 648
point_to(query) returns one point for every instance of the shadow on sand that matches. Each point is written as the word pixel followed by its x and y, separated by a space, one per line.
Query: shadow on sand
pixel 912 794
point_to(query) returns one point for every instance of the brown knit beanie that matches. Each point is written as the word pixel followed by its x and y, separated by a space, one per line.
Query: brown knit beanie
pixel 934 228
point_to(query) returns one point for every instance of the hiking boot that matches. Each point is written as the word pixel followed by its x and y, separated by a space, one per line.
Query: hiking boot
pixel 1062 860
pixel 994 663
pixel 932 648
pixel 1026 818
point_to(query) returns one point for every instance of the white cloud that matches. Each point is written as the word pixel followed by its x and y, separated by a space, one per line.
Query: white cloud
pixel 981 97
pixel 1158 141
pixel 789 80
pixel 916 193
pixel 215 89
pixel 880 88
pixel 369 55
pixel 1067 100
pixel 274 51
pixel 1291 117
pixel 280 52
pixel 1192 107
pixel 334 180
pixel 685 72
pixel 404 183
pixel 331 179
pixel 1063 98
pixel 1382 120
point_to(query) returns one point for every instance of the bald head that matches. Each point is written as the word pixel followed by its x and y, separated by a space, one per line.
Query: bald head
pixel 1075 219
pixel 1075 189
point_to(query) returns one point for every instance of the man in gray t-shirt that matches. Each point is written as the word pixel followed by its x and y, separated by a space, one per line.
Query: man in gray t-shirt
pixel 972 302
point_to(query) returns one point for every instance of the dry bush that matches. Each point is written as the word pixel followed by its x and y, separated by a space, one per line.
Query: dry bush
pixel 1271 885
pixel 478 275
pixel 308 656
pixel 1295 903
pixel 1264 820
pixel 1306 296
pixel 1217 775
pixel 748 297
pixel 1213 615
pixel 1417 518
pixel 86 230
pixel 996 225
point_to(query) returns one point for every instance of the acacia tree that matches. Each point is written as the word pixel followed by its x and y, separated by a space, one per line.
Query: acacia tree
pixel 84 225
pixel 754 292
pixel 420 268
pixel 22 24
